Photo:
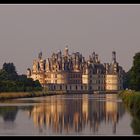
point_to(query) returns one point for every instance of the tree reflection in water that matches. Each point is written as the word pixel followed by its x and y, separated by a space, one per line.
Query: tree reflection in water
pixel 74 113
pixel 9 113
pixel 135 124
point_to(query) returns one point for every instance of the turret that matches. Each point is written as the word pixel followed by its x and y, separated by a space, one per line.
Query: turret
pixel 28 73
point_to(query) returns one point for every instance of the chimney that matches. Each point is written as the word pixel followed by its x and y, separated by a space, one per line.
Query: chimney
pixel 66 51
pixel 96 58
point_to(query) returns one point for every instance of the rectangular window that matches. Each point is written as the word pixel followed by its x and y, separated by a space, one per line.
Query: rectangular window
pixel 70 87
pixel 54 87
pixel 90 87
pixel 60 87
pixel 76 87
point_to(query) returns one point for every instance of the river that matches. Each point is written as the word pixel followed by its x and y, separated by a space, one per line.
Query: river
pixel 75 114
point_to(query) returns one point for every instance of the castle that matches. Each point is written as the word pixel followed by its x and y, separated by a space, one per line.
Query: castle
pixel 73 73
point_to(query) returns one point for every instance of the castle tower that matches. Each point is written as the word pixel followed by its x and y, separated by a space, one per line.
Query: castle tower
pixel 42 64
pixel 35 66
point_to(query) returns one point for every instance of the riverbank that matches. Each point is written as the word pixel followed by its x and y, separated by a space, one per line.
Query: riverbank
pixel 132 101
pixel 15 95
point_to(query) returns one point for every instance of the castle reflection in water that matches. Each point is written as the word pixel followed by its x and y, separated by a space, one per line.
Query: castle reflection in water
pixel 74 113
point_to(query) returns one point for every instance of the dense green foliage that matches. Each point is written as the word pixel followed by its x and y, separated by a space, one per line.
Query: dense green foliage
pixel 135 124
pixel 10 81
pixel 133 75
pixel 131 100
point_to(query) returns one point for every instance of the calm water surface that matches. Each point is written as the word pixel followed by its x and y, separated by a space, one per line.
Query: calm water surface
pixel 79 114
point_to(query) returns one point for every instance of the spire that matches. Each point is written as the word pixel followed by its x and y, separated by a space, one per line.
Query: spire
pixel 66 50
pixel 113 56
pixel 40 56
pixel 96 58
pixel 93 56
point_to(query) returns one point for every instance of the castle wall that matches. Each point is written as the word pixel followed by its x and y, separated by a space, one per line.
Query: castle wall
pixel 112 82
pixel 74 73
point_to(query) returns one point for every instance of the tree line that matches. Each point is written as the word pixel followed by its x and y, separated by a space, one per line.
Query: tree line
pixel 132 78
pixel 10 81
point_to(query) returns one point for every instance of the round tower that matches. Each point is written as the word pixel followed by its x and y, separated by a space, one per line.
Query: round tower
pixel 28 73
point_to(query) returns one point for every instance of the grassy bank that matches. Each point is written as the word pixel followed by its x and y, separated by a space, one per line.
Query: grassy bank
pixel 132 101
pixel 14 95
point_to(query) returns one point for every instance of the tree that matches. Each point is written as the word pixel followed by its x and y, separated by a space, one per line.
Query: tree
pixel 11 81
pixel 134 73
pixel 11 70
pixel 9 113
pixel 3 75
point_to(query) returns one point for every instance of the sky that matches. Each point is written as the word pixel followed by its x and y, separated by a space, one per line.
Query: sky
pixel 27 29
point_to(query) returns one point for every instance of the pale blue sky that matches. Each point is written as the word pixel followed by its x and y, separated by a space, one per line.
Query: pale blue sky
pixel 27 29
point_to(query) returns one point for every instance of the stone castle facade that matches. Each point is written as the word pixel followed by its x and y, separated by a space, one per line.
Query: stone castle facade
pixel 72 72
